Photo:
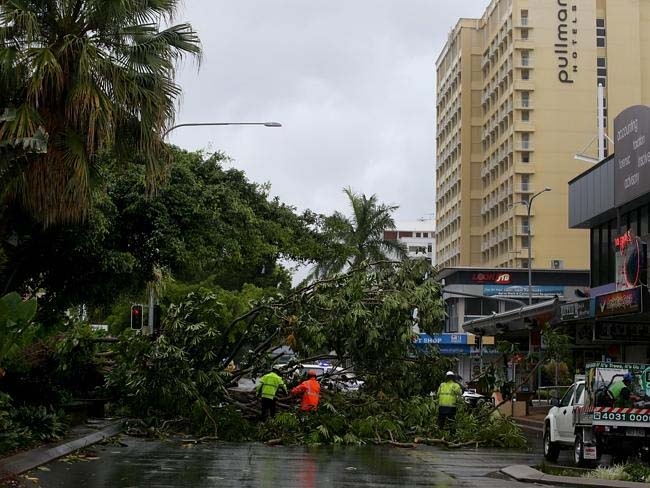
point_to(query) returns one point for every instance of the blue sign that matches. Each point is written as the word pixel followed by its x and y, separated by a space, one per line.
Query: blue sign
pixel 442 339
pixel 522 290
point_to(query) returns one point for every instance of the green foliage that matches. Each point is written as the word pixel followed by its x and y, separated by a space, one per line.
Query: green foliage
pixel 556 353
pixel 205 225
pixel 12 435
pixel 637 472
pixel 27 425
pixel 114 64
pixel 43 424
pixel 16 329
pixel 556 373
pixel 345 420
pixel 56 368
pixel 232 425
pixel 366 317
pixel 181 372
pixel 358 239
pixel 615 472
pixel 486 425
pixel 78 368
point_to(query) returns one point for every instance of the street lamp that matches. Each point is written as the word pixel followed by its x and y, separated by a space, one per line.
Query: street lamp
pixel 529 203
pixel 195 124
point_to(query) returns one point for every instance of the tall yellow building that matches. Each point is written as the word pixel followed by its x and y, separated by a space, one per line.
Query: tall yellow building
pixel 516 100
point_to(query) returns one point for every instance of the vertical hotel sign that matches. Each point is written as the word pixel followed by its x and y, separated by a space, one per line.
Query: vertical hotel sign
pixel 566 41
pixel 632 152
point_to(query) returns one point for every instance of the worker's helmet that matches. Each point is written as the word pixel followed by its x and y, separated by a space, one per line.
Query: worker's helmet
pixel 628 377
pixel 312 373
pixel 450 374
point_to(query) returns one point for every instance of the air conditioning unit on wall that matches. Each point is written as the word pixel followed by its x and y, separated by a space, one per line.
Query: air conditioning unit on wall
pixel 557 264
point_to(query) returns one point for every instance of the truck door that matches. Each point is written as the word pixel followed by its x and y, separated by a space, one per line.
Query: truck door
pixel 572 398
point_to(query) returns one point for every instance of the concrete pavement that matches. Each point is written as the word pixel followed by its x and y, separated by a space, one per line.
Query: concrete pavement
pixel 530 475
pixel 78 437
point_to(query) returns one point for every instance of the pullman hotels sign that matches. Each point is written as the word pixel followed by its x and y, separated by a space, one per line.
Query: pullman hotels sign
pixel 632 146
pixel 565 46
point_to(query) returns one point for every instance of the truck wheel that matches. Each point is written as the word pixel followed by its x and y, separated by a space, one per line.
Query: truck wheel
pixel 579 454
pixel 551 449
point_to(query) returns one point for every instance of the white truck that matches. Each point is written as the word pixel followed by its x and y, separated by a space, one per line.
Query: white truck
pixel 587 420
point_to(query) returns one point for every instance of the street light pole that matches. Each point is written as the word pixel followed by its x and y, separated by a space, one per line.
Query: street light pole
pixel 152 293
pixel 196 124
pixel 529 205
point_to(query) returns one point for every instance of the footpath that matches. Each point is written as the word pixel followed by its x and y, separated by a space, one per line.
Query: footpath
pixel 98 430
pixel 78 437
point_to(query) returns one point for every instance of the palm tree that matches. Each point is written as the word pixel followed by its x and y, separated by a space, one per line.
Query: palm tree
pixel 93 74
pixel 360 238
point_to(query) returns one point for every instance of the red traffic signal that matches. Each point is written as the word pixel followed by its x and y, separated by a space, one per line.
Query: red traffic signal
pixel 136 317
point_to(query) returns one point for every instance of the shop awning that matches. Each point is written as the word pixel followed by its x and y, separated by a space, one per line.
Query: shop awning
pixel 519 319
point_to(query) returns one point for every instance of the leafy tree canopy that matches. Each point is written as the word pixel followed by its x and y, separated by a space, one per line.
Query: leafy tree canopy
pixel 205 225
pixel 358 238
pixel 91 74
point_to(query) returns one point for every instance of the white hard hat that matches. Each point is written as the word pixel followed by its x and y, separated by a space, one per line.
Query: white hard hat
pixel 450 373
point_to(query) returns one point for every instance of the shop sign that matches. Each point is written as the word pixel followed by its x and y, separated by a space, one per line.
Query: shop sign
pixel 619 332
pixel 632 141
pixel 522 290
pixel 576 310
pixel 444 338
pixel 502 278
pixel 628 260
pixel 619 302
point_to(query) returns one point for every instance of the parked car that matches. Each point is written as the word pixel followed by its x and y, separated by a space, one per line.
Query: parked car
pixel 332 378
pixel 474 399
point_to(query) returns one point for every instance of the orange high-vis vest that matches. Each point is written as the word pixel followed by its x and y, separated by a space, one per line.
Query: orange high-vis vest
pixel 310 390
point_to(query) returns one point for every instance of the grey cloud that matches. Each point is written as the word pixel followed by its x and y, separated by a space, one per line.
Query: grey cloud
pixel 352 82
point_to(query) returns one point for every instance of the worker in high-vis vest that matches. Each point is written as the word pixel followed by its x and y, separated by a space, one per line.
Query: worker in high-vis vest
pixel 269 385
pixel 623 391
pixel 449 395
pixel 310 391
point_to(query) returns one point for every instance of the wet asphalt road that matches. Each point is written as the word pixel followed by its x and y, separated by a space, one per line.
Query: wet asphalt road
pixel 155 464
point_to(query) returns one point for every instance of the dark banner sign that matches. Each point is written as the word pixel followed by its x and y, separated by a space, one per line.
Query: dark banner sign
pixel 632 157
pixel 619 302
pixel 619 332
pixel 581 309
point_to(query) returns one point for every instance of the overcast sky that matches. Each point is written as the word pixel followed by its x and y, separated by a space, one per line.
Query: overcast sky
pixel 351 81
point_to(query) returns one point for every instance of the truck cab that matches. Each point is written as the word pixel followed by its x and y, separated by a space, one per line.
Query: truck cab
pixel 559 422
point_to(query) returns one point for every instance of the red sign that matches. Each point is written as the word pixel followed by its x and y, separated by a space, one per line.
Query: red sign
pixel 501 278
pixel 621 242
pixel 628 261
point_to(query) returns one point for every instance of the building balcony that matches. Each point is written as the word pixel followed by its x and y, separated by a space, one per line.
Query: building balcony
pixel 525 103
pixel 524 168
pixel 522 22
pixel 524 146
pixel 523 43
pixel 523 85
pixel 523 126
pixel 524 63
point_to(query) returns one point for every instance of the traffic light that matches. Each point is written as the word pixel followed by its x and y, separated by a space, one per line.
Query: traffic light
pixel 136 317
pixel 156 319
